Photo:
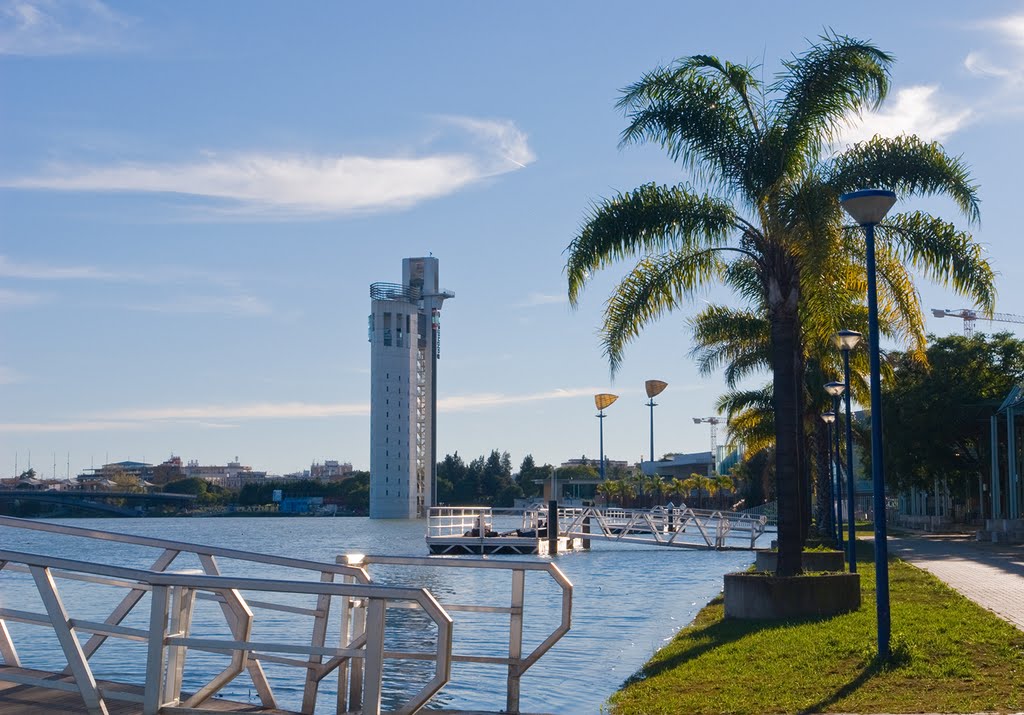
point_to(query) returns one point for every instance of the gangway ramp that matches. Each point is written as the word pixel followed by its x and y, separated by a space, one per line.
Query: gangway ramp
pixel 680 527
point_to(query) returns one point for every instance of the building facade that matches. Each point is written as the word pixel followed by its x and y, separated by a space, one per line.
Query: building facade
pixel 404 334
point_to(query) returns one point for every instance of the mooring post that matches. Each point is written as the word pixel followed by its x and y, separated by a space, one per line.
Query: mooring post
pixel 586 530
pixel 553 527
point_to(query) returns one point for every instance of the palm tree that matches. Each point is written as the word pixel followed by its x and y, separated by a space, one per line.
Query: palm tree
pixel 764 151
pixel 678 486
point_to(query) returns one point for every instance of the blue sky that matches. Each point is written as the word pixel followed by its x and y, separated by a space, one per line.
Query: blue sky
pixel 195 197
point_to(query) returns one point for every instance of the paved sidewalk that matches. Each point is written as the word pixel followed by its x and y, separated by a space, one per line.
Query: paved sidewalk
pixel 991 575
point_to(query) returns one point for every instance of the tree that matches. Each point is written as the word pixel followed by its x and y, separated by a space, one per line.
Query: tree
pixel 937 415
pixel 774 216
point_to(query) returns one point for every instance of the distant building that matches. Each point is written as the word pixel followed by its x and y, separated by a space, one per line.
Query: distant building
pixel 681 466
pixel 404 333
pixel 110 476
pixel 331 469
pixel 232 473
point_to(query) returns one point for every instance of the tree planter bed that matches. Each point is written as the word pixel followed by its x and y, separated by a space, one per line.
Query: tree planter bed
pixel 812 560
pixel 760 596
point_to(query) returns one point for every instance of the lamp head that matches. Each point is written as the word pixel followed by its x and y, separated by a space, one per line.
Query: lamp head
pixel 604 400
pixel 835 388
pixel 828 417
pixel 655 388
pixel 847 339
pixel 868 206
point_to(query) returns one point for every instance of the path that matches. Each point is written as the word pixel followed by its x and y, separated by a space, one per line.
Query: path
pixel 991 575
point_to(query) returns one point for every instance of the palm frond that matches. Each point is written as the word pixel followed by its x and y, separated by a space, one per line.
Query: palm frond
pixel 910 167
pixel 943 254
pixel 698 118
pixel 821 88
pixel 650 219
pixel 656 285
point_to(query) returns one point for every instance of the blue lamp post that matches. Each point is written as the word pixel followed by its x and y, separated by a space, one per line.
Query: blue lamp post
pixel 602 401
pixel 653 389
pixel 828 418
pixel 835 389
pixel 847 340
pixel 868 207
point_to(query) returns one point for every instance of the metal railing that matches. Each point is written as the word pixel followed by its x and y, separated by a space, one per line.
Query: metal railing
pixel 661 526
pixel 350 569
pixel 358 657
pixel 516 663
pixel 394 291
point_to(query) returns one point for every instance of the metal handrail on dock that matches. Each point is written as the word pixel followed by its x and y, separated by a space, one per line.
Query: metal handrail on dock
pixel 660 525
pixel 353 612
pixel 169 636
pixel 516 662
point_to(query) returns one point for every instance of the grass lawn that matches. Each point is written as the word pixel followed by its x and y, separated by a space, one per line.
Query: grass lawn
pixel 949 656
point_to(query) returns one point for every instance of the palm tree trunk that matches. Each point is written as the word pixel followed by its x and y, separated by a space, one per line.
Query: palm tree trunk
pixel 787 382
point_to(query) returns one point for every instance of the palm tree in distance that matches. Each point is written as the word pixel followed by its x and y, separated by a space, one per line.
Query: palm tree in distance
pixel 773 216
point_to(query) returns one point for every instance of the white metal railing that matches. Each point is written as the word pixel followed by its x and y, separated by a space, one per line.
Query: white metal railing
pixel 469 521
pixel 359 653
pixel 348 570
pixel 516 662
pixel 661 526
pixel 211 559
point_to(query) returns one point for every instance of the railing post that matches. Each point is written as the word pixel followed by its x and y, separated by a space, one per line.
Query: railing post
pixel 515 641
pixel 84 678
pixel 323 610
pixel 180 625
pixel 155 651
pixel 374 666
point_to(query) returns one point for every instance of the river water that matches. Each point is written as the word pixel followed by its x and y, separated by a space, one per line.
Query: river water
pixel 628 601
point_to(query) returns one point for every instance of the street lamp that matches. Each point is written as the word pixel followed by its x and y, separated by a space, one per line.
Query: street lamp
pixel 602 401
pixel 653 388
pixel 868 207
pixel 847 340
pixel 835 389
pixel 828 418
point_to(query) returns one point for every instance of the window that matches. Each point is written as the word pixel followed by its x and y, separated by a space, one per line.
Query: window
pixel 387 328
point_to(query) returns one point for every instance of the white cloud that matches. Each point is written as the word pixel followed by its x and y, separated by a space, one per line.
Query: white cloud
pixel 19 299
pixel 918 110
pixel 1002 60
pixel 58 27
pixel 195 304
pixel 8 376
pixel 535 299
pixel 307 184
pixel 210 415
pixel 30 271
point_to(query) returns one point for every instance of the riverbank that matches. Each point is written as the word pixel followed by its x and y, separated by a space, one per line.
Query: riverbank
pixel 950 656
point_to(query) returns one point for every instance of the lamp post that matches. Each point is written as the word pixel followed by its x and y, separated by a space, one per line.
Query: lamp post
pixel 602 401
pixel 653 388
pixel 828 418
pixel 847 340
pixel 868 207
pixel 835 389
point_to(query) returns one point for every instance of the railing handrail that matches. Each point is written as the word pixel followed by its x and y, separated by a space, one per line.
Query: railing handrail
pixel 184 546
pixel 517 663
pixel 369 645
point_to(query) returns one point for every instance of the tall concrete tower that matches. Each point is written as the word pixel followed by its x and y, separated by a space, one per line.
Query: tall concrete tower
pixel 405 327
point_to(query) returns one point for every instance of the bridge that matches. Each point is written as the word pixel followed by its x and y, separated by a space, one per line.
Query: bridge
pixel 95 500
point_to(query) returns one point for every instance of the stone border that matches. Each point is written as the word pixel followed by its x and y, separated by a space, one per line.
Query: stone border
pixel 758 596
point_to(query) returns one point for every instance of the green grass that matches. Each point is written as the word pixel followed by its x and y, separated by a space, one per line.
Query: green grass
pixel 949 656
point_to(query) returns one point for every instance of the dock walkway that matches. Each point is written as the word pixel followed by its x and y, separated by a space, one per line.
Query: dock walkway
pixel 991 575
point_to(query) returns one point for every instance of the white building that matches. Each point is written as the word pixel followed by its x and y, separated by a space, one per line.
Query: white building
pixel 404 330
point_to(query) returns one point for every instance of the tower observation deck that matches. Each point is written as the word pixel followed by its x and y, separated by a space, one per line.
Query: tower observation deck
pixel 404 333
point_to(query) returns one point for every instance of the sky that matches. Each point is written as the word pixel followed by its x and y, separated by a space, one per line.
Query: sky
pixel 195 197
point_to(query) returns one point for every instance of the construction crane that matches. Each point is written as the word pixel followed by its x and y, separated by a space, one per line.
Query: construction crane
pixel 714 422
pixel 970 316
